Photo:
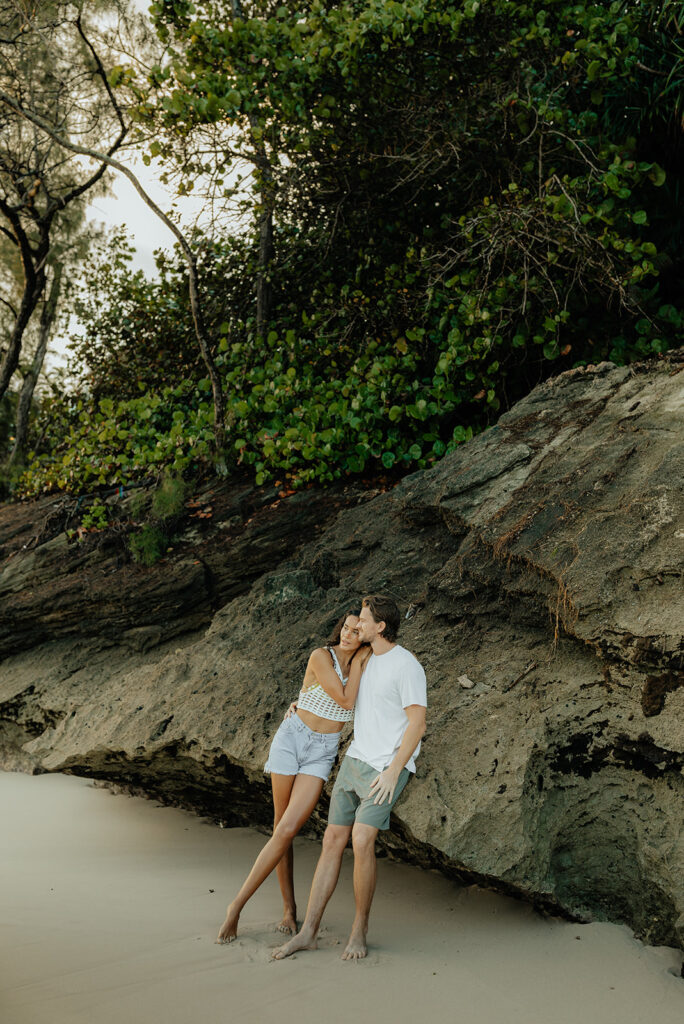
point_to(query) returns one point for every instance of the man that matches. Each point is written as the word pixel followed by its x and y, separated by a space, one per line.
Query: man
pixel 389 724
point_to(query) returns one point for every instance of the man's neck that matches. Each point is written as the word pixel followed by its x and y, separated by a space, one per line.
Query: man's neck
pixel 381 646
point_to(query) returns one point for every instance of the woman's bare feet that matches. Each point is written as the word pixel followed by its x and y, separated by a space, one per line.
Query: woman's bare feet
pixel 302 940
pixel 356 947
pixel 288 925
pixel 228 930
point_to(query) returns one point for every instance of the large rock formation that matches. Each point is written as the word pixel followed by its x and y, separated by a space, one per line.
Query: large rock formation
pixel 540 569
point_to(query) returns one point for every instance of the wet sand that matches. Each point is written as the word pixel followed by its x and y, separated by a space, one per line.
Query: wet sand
pixel 109 906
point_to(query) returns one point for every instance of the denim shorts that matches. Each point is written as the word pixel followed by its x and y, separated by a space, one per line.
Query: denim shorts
pixel 298 750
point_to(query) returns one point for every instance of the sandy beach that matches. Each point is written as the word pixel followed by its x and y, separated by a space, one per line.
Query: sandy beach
pixel 110 906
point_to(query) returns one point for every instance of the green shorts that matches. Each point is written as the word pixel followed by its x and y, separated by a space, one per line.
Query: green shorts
pixel 350 800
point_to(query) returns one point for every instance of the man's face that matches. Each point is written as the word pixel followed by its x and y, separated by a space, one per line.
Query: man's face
pixel 368 628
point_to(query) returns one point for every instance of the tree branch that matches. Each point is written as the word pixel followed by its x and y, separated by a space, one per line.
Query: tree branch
pixel 80 189
pixel 101 72
pixel 9 305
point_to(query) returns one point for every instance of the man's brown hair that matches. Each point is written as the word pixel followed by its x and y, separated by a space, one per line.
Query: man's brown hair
pixel 384 609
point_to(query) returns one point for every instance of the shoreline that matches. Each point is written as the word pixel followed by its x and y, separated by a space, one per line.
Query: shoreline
pixel 111 904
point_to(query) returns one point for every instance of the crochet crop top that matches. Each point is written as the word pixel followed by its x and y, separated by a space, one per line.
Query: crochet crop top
pixel 317 701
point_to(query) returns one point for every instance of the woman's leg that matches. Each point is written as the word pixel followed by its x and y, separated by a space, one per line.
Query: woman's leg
pixel 306 790
pixel 282 789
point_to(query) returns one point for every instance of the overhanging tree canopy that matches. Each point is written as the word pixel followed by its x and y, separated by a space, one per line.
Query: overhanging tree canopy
pixel 463 198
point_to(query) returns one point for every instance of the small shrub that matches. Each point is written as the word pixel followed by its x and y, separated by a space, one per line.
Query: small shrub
pixel 167 504
pixel 169 498
pixel 149 545
pixel 96 518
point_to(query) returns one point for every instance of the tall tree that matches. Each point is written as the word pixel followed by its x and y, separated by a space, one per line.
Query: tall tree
pixel 48 315
pixel 480 151
pixel 48 62
pixel 73 238
pixel 75 122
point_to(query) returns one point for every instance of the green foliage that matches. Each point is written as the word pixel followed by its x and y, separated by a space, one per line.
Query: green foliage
pixel 117 442
pixel 8 404
pixel 137 332
pixel 148 545
pixel 96 518
pixel 48 70
pixel 10 479
pixel 9 475
pixel 508 163
pixel 169 498
pixel 468 197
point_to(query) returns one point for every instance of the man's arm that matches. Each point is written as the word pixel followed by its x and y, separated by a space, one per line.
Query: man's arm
pixel 386 782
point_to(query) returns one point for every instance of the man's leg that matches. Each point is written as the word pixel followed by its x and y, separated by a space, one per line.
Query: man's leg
pixel 324 881
pixel 365 874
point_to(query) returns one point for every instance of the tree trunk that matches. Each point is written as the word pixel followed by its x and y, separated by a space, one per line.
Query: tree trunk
pixel 33 289
pixel 47 318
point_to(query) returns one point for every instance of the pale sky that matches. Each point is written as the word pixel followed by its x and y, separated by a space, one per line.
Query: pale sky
pixel 125 206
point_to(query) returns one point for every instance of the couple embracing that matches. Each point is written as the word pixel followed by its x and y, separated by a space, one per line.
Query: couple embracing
pixel 389 724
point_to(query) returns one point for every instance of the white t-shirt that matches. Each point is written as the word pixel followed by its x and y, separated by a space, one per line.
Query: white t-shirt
pixel 390 683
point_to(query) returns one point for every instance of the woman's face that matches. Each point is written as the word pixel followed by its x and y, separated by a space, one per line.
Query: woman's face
pixel 349 637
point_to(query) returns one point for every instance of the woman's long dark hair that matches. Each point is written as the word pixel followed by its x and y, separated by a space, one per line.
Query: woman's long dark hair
pixel 336 633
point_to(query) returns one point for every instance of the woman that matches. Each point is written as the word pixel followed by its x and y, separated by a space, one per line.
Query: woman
pixel 300 759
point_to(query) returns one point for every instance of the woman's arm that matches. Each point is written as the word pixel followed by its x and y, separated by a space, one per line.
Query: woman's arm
pixel 351 690
pixel 320 664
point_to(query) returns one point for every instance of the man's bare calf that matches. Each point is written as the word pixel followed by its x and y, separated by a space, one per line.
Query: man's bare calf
pixel 365 875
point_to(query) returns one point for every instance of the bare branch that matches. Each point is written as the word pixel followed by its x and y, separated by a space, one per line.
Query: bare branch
pixel 103 75
pixel 9 305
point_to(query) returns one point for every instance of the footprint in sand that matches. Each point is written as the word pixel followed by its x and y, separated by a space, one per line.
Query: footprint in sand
pixel 253 950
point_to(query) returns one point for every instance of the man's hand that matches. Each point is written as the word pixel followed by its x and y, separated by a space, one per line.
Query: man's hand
pixel 384 785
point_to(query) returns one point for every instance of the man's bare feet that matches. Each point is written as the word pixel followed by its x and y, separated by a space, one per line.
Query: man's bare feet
pixel 228 930
pixel 302 940
pixel 356 947
pixel 288 925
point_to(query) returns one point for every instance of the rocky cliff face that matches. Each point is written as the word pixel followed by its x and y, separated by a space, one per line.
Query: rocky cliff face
pixel 540 569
